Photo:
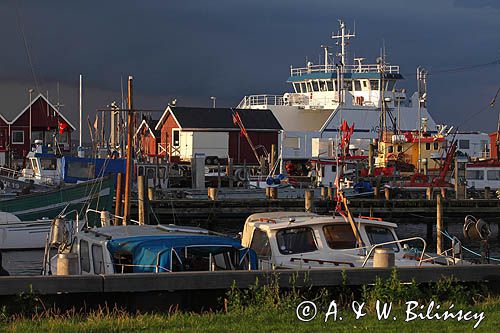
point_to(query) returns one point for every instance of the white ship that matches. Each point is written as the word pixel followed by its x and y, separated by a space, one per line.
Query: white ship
pixel 326 94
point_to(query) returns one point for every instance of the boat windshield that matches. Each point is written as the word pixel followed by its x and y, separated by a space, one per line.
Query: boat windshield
pixel 296 240
pixel 339 236
pixel 378 235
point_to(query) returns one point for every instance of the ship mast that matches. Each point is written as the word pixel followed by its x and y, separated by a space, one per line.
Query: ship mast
pixel 343 35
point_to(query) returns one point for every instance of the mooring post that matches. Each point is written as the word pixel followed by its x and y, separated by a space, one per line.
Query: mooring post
pixel 229 171
pixel 273 192
pixel 212 193
pixel 118 199
pixel 439 224
pixel 272 158
pixel 141 204
pixel 443 192
pixel 428 193
pixel 331 193
pixel 309 200
pixel 324 193
pixel 219 181
pixel 387 193
pixel 370 159
pixel 376 193
pixel 151 193
pixel 487 192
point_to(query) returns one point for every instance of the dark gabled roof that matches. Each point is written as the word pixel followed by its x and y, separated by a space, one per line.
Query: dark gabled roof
pixel 222 118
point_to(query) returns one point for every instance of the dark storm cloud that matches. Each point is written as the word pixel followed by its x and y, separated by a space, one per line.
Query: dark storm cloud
pixel 195 49
pixel 477 3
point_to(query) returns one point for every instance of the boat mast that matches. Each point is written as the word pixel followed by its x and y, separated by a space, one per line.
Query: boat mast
pixel 343 36
pixel 422 95
pixel 128 174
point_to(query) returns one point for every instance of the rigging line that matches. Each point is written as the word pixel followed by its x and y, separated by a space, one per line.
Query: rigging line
pixel 26 47
pixel 460 69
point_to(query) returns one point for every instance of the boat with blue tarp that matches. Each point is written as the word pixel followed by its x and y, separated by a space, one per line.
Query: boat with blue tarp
pixel 144 249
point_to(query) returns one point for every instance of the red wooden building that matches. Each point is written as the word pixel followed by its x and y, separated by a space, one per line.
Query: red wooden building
pixel 186 131
pixel 148 139
pixel 46 124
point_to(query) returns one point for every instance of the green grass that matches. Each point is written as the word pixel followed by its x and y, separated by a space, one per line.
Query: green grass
pixel 266 308
pixel 248 320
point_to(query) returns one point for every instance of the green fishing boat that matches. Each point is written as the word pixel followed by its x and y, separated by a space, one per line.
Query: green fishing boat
pixel 97 194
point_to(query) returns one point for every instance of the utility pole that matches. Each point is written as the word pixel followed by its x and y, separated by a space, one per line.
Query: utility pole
pixel 31 101
pixel 128 175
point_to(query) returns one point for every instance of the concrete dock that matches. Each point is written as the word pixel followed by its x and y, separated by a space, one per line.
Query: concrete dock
pixel 204 290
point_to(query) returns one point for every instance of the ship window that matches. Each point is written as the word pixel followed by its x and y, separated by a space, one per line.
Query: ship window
pixel 84 256
pixel 348 85
pixel 378 235
pixel 260 244
pixel 309 87
pixel 295 86
pixel 389 85
pixel 303 87
pixel 315 86
pixel 475 174
pixel 428 146
pixel 436 145
pixel 175 138
pixel 374 84
pixel 390 149
pixel 322 85
pixel 357 85
pixel 364 84
pixel 296 240
pixel 339 236
pixel 493 174
pixel 463 144
pixel 48 163
pixel 329 84
pixel 98 259
pixel 400 149
pixel 334 168
pixel 17 137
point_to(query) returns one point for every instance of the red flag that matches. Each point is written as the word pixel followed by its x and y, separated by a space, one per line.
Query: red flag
pixel 62 127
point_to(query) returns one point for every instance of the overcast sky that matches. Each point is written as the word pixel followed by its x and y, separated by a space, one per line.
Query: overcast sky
pixel 194 49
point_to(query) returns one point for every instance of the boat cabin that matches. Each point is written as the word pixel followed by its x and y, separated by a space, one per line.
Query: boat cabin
pixel 307 240
pixel 156 249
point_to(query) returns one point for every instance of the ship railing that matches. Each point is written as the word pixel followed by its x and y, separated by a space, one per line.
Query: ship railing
pixel 399 241
pixel 374 68
pixel 256 100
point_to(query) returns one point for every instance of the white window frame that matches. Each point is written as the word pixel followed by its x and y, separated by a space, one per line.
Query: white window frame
pixel 179 131
pixel 17 142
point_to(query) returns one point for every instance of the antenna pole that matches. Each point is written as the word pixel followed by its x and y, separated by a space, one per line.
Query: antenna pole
pixel 80 147
pixel 128 175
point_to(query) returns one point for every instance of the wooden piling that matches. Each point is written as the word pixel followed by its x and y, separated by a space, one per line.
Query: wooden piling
pixel 118 199
pixel 141 200
pixel 331 193
pixel 324 193
pixel 309 200
pixel 487 192
pixel 273 192
pixel 439 224
pixel 376 192
pixel 151 193
pixel 219 181
pixel 428 193
pixel 212 193
pixel 387 193
pixel 129 163
pixel 229 172
pixel 370 159
pixel 443 192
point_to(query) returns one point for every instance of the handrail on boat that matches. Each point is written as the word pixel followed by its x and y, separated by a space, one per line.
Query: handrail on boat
pixel 321 261
pixel 397 242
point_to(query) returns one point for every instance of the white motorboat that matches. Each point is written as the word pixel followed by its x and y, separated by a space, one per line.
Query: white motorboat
pixel 307 240
pixel 22 235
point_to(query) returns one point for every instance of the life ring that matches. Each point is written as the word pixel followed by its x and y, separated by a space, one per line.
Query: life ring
pixel 418 177
pixel 391 156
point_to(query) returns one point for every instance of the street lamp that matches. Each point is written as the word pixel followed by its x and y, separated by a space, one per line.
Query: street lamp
pixel 213 98
pixel 30 92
